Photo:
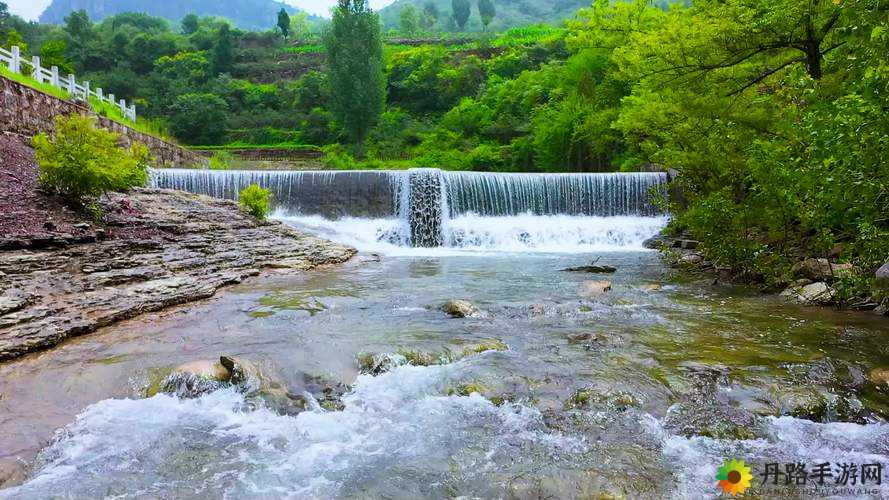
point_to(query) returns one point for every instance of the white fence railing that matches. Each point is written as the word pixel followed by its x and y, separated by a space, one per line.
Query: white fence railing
pixel 14 61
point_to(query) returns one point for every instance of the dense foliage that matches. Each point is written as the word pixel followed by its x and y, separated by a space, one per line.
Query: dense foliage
pixel 772 113
pixel 80 161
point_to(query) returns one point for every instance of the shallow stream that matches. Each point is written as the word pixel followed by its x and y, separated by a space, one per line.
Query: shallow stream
pixel 641 392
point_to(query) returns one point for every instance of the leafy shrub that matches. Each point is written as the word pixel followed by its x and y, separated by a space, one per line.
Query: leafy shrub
pixel 336 157
pixel 255 200
pixel 221 160
pixel 80 161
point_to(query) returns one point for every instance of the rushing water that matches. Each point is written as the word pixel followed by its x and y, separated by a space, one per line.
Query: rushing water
pixel 642 392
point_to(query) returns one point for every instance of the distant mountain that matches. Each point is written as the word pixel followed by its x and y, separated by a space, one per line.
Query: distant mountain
pixel 510 13
pixel 246 14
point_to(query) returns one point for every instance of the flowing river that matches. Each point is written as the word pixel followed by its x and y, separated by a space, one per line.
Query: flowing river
pixel 641 392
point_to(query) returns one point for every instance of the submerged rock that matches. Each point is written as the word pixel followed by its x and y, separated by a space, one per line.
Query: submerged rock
pixel 196 378
pixel 814 294
pixel 460 309
pixel 593 289
pixel 879 376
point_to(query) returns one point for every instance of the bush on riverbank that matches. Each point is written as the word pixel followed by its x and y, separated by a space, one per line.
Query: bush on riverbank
pixel 80 161
pixel 256 200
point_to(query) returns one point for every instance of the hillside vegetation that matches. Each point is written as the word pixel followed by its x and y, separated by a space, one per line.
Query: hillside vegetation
pixel 246 14
pixel 773 112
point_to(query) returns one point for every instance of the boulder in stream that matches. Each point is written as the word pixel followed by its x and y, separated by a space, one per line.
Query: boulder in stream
pixel 813 294
pixel 460 309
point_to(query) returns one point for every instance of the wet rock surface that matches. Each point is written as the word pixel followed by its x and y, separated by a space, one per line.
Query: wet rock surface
pixel 157 249
pixel 460 309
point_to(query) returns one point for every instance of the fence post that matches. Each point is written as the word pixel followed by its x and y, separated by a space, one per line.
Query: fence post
pixel 123 107
pixel 86 91
pixel 111 99
pixel 38 71
pixel 132 112
pixel 72 85
pixel 99 93
pixel 54 76
pixel 16 64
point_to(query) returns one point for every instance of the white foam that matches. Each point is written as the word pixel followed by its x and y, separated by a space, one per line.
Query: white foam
pixel 786 440
pixel 399 421
pixel 473 234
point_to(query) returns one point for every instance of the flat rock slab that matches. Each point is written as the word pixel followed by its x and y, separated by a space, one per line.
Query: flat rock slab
pixel 174 248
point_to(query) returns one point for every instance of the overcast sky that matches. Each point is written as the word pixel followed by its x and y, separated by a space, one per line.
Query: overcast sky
pixel 31 9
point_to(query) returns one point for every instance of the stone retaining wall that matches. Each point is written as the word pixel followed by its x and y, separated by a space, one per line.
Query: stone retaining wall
pixel 28 111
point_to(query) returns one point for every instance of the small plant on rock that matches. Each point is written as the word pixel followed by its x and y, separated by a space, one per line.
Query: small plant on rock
pixel 80 161
pixel 255 200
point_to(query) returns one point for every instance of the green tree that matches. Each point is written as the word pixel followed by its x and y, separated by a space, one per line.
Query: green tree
pixel 462 9
pixel 487 11
pixel 300 27
pixel 223 50
pixel 52 53
pixel 408 20
pixel 199 118
pixel 4 20
pixel 355 68
pixel 190 24
pixel 81 34
pixel 429 17
pixel 284 22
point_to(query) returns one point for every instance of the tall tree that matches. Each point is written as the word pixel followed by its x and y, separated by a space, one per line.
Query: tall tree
pixel 190 24
pixel 223 50
pixel 284 22
pixel 355 68
pixel 462 10
pixel 429 16
pixel 408 20
pixel 487 11
pixel 4 18
pixel 81 33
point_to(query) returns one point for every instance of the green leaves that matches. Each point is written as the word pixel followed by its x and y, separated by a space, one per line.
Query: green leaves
pixel 80 161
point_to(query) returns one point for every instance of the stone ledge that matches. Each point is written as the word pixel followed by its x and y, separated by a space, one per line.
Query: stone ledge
pixel 178 248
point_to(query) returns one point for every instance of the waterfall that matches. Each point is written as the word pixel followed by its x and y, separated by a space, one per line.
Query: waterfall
pixel 426 201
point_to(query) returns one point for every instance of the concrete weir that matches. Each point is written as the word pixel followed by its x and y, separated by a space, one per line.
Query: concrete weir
pixel 426 199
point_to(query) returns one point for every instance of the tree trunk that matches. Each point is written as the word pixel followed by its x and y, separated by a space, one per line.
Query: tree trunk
pixel 813 59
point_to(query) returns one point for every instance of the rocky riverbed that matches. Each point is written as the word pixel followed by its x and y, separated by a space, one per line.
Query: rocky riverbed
pixel 178 248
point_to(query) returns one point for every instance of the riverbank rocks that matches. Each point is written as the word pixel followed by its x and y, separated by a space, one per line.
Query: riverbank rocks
pixel 592 289
pixel 821 270
pixel 460 309
pixel 812 294
pixel 163 248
